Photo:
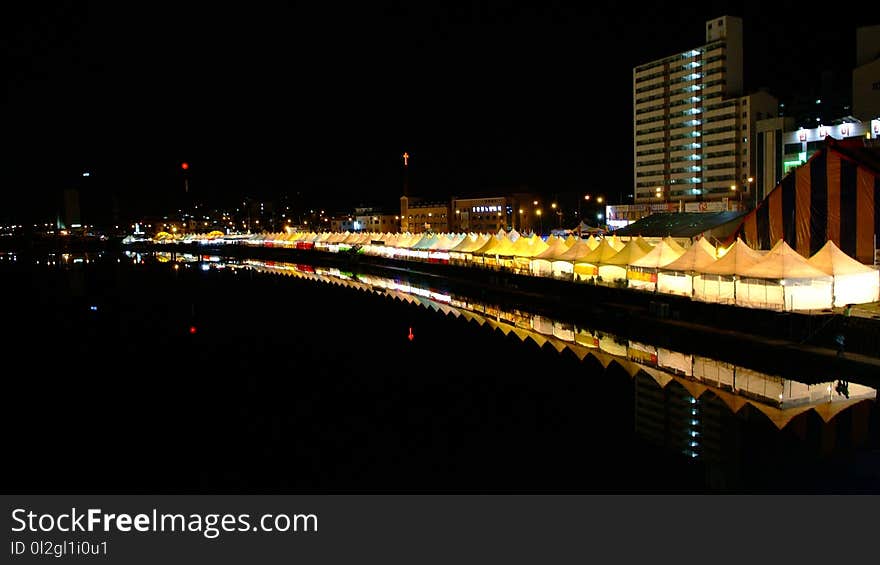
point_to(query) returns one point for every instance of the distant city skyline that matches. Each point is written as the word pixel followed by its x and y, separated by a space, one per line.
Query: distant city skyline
pixel 487 97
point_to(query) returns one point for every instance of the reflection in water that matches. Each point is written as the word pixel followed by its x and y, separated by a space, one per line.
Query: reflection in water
pixel 779 398
pixel 683 402
pixel 687 403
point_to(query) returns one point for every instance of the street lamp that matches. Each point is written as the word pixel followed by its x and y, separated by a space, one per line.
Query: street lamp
pixel 541 220
pixel 751 180
pixel 734 189
pixel 558 213
pixel 586 197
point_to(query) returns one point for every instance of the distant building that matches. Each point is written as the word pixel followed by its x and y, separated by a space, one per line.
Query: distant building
pixel 372 220
pixel 866 76
pixel 482 215
pixel 522 211
pixel 692 126
pixel 799 145
pixel 420 216
pixel 770 136
pixel 71 215
pixel 780 146
pixel 785 143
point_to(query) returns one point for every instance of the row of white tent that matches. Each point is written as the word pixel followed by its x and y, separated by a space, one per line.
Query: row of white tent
pixel 779 279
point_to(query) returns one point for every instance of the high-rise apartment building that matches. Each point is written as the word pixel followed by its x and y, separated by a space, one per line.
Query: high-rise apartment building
pixel 692 126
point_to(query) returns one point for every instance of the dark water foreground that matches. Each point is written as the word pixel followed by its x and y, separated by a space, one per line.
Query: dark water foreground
pixel 123 375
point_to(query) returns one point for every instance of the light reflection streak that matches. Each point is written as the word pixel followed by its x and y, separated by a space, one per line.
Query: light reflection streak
pixel 779 398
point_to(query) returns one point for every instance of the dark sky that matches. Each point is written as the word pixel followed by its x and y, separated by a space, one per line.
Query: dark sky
pixel 323 97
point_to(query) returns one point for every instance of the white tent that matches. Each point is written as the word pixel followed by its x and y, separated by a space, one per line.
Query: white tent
pixel 480 256
pixel 587 266
pixel 439 249
pixel 528 246
pixel 522 251
pixel 566 263
pixel 717 282
pixel 543 263
pixel 642 273
pixel 854 282
pixel 614 268
pixel 783 280
pixel 500 254
pixel 678 277
pixel 593 242
pixel 463 251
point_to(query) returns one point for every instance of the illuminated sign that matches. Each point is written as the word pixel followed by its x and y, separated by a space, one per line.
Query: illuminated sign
pixel 789 165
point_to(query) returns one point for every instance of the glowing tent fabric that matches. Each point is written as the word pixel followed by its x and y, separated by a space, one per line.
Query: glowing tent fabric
pixel 566 263
pixel 677 277
pixel 642 273
pixel 529 246
pixel 664 253
pixel 463 252
pixel 735 261
pixel 614 268
pixel 716 282
pixel 588 266
pixel 592 242
pixel 542 264
pixel 491 243
pixel 783 280
pixel 854 283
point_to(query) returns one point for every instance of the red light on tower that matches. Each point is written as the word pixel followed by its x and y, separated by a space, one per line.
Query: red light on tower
pixel 184 165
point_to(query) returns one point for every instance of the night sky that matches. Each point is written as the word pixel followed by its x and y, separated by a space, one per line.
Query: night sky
pixel 322 98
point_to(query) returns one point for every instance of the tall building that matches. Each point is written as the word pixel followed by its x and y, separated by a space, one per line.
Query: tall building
pixel 771 135
pixel 71 216
pixel 692 125
pixel 866 75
